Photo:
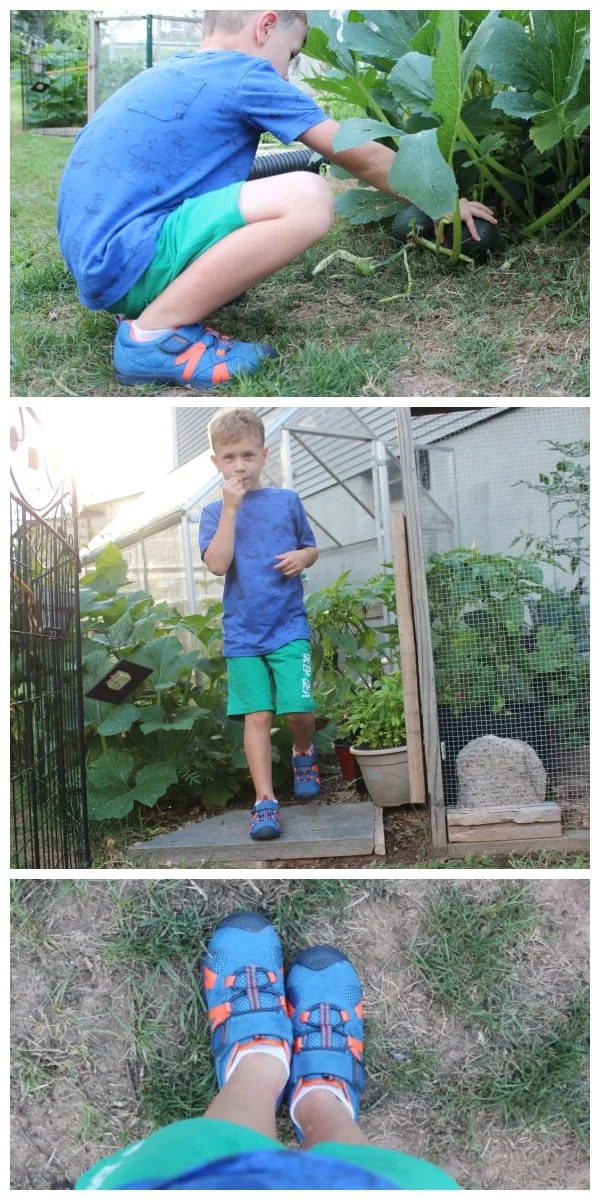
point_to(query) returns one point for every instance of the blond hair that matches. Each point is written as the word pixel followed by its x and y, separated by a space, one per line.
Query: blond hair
pixel 227 20
pixel 231 424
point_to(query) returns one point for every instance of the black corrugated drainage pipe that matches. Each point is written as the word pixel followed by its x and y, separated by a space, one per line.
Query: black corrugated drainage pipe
pixel 279 162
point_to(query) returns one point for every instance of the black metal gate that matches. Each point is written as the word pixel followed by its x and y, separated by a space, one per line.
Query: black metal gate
pixel 48 798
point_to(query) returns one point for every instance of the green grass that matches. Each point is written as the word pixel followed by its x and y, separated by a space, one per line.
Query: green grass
pixel 464 1033
pixel 467 955
pixel 536 861
pixel 518 327
pixel 542 1076
pixel 534 1069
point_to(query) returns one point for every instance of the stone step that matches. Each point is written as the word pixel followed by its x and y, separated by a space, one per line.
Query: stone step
pixel 307 831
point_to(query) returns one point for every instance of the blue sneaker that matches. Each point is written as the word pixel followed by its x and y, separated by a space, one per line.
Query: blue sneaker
pixel 307 780
pixel 242 980
pixel 264 819
pixel 192 356
pixel 325 1003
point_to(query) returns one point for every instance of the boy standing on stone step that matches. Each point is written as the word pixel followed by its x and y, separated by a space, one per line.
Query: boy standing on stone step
pixel 260 539
pixel 156 218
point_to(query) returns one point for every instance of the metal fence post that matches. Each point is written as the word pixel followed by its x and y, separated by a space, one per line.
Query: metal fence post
pixel 148 40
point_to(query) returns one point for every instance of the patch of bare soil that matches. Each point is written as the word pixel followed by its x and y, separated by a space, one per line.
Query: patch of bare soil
pixel 73 1082
pixel 72 1097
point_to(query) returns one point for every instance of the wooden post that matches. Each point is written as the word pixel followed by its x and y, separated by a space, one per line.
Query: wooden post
pixel 420 607
pixel 93 64
pixel 408 658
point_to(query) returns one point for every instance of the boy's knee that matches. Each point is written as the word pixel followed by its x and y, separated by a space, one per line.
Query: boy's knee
pixel 259 720
pixel 319 199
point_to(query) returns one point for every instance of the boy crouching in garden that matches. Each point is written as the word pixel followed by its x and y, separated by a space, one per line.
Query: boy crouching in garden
pixel 156 218
pixel 260 539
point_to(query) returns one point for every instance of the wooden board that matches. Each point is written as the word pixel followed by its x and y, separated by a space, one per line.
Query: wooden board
pixel 307 831
pixel 420 607
pixel 504 831
pixel 408 658
pixel 525 814
pixel 576 841
pixel 379 840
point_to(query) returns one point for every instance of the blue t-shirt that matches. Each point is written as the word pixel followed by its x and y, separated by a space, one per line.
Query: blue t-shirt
pixel 263 609
pixel 189 125
pixel 271 1170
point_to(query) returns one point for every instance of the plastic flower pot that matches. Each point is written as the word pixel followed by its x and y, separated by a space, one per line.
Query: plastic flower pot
pixel 385 773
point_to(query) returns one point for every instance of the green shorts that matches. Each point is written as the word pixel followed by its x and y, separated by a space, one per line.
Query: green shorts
pixel 186 234
pixel 178 1148
pixel 279 682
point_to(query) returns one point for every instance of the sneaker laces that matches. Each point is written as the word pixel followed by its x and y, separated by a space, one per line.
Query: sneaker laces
pixel 267 813
pixel 254 989
pixel 305 770
pixel 221 340
pixel 326 1028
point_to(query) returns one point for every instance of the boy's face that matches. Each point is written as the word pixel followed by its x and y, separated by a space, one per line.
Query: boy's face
pixel 243 459
pixel 279 44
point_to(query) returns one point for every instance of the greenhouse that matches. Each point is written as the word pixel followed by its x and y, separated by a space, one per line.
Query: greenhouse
pixel 344 462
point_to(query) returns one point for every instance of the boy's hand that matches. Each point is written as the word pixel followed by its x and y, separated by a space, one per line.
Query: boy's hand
pixel 468 210
pixel 292 563
pixel 233 494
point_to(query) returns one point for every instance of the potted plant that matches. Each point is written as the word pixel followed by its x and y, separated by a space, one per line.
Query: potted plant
pixel 346 657
pixel 378 727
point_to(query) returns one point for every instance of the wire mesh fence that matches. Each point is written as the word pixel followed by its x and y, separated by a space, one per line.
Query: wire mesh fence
pixel 53 88
pixel 509 600
pixel 48 799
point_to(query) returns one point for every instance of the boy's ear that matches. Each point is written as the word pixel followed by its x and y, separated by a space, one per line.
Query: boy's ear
pixel 265 25
pixel 213 459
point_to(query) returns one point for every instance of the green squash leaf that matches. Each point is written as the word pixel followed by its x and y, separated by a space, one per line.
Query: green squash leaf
pixel 166 659
pixel 361 207
pixel 119 720
pixel 184 718
pixel 546 132
pixel 359 130
pixel 411 81
pixel 421 174
pixel 153 781
pixel 519 104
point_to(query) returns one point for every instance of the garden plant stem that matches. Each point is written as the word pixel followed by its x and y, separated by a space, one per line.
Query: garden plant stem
pixel 549 216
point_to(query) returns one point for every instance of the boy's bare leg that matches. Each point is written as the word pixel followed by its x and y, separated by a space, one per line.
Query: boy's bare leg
pixel 257 744
pixel 285 216
pixel 250 1095
pixel 323 1118
pixel 302 726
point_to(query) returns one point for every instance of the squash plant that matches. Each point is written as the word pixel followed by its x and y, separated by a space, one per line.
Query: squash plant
pixel 173 730
pixel 489 104
pixel 62 96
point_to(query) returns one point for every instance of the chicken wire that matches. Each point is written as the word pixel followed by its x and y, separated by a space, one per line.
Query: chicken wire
pixel 509 597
